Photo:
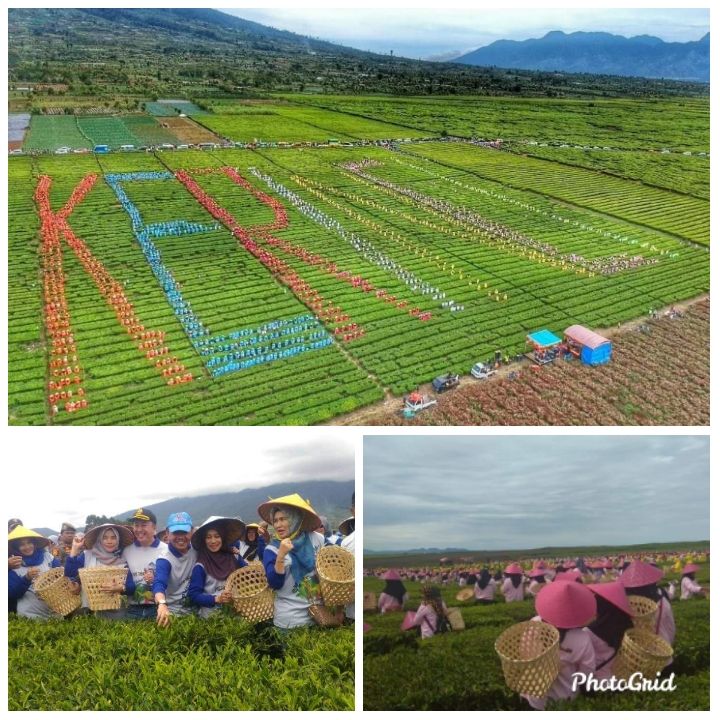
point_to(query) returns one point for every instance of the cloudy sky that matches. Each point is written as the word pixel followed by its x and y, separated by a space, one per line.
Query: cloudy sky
pixel 110 470
pixel 503 492
pixel 428 32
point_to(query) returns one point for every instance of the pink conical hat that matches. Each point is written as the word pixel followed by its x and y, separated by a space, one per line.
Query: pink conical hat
pixel 391 575
pixel 613 592
pixel 408 621
pixel 639 574
pixel 565 605
pixel 690 568
pixel 537 572
pixel 569 576
pixel 568 564
pixel 607 565
pixel 539 564
pixel 513 569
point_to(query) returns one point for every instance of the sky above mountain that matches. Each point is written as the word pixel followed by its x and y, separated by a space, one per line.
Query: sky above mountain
pixel 113 469
pixel 497 492
pixel 426 32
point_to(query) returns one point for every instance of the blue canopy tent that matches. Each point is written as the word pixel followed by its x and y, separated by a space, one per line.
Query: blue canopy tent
pixel 545 346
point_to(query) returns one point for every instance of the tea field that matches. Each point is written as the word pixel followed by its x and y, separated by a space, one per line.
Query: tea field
pixel 216 664
pixel 292 285
pixel 461 671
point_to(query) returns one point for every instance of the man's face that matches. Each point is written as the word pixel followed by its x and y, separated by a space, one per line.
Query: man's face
pixel 180 540
pixel 66 536
pixel 144 531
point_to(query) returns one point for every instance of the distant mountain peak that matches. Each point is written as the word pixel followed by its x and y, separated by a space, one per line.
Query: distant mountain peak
pixel 599 53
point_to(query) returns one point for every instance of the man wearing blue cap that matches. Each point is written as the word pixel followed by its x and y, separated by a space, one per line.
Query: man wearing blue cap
pixel 173 570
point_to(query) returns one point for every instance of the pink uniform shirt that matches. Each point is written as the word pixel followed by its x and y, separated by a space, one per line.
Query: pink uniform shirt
pixel 576 655
pixel 487 593
pixel 388 603
pixel 688 588
pixel 426 620
pixel 511 593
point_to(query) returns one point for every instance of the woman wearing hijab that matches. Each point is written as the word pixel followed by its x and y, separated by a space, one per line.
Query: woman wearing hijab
pixel 252 546
pixel 641 578
pixel 103 545
pixel 394 596
pixel 537 581
pixel 289 559
pixel 32 548
pixel 569 607
pixel 485 588
pixel 688 586
pixel 213 541
pixel 512 587
pixel 613 618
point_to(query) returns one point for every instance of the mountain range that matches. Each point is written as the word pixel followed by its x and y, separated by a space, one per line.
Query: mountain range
pixel 599 53
pixel 125 56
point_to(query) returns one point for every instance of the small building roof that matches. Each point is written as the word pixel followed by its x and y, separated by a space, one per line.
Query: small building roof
pixel 585 337
pixel 544 338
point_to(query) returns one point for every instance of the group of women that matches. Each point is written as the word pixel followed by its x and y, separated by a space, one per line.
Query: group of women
pixel 590 611
pixel 183 570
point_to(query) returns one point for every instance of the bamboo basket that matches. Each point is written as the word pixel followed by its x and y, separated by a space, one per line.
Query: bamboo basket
pixel 465 594
pixel 641 651
pixel 252 597
pixel 530 656
pixel 644 612
pixel 336 570
pixel 325 617
pixel 92 580
pixel 369 602
pixel 56 590
pixel 455 618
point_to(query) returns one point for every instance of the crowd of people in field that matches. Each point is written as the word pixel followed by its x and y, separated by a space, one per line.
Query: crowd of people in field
pixel 181 569
pixel 589 602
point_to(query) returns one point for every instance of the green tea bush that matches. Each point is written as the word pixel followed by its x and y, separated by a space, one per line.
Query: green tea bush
pixel 218 664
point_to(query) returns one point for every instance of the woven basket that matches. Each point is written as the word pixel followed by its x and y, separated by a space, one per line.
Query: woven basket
pixel 369 602
pixel 92 580
pixel 336 570
pixel 455 618
pixel 324 617
pixel 252 597
pixel 530 656
pixel 465 594
pixel 644 612
pixel 641 651
pixel 56 590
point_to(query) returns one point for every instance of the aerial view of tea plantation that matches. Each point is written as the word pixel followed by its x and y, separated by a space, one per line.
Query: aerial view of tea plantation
pixel 293 255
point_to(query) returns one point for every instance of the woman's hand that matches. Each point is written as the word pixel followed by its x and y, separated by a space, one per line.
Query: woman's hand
pixel 32 573
pixel 286 546
pixel 78 545
pixel 263 531
pixel 223 598
pixel 14 562
pixel 163 616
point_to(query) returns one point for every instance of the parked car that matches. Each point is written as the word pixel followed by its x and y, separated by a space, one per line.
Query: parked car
pixel 481 371
pixel 445 382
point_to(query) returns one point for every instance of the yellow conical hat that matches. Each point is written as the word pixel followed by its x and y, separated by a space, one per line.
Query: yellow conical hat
pixel 311 519
pixel 21 533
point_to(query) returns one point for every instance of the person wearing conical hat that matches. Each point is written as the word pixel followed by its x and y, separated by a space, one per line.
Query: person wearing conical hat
pixel 641 578
pixel 347 542
pixel 394 595
pixel 613 618
pixel 32 548
pixel 289 559
pixel 537 581
pixel 213 541
pixel 512 587
pixel 101 546
pixel 688 586
pixel 569 607
pixel 173 569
